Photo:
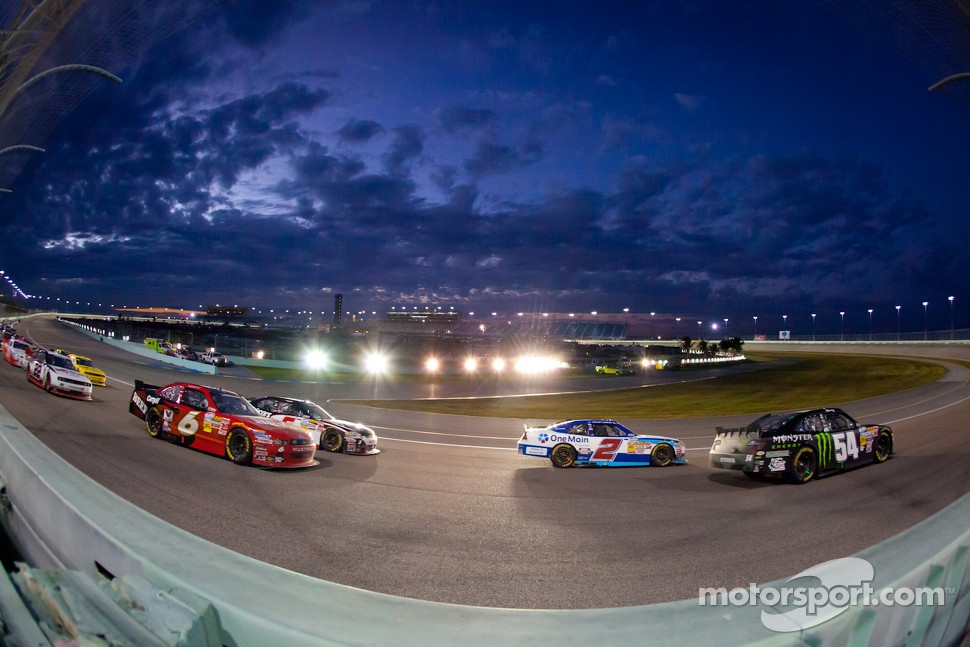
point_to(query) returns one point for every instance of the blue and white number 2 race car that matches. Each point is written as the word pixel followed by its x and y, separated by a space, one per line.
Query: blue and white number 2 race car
pixel 599 442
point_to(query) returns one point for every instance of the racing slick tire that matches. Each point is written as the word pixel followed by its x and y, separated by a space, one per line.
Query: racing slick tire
pixel 662 455
pixel 47 384
pixel 332 441
pixel 153 423
pixel 239 447
pixel 883 447
pixel 563 455
pixel 804 466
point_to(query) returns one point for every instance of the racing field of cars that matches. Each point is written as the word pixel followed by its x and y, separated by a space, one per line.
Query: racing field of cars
pixel 473 510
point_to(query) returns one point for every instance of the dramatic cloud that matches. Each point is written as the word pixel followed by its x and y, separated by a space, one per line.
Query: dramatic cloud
pixel 410 153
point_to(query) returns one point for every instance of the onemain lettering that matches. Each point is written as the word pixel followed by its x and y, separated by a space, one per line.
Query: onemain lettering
pixel 557 438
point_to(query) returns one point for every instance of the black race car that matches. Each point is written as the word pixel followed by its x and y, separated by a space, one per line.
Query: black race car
pixel 800 446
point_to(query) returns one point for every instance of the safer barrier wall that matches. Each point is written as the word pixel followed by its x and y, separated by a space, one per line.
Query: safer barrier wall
pixel 62 519
pixel 140 349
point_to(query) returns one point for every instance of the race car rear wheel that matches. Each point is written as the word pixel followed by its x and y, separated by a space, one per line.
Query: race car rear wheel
pixel 239 447
pixel 662 455
pixel 563 455
pixel 332 440
pixel 803 466
pixel 153 422
pixel 883 447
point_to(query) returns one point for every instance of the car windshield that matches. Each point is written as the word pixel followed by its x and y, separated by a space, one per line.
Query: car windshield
pixel 318 412
pixel 228 402
pixel 59 361
pixel 82 361
pixel 771 423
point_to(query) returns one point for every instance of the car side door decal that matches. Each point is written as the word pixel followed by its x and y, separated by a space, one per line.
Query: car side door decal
pixel 607 449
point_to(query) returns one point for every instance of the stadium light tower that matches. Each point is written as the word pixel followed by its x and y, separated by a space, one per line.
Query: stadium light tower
pixel 870 324
pixel 897 322
pixel 842 335
pixel 925 303
pixel 951 317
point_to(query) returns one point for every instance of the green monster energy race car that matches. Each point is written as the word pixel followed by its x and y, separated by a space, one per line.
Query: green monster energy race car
pixel 799 446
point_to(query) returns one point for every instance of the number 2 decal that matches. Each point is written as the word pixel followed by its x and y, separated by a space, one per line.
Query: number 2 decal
pixel 607 449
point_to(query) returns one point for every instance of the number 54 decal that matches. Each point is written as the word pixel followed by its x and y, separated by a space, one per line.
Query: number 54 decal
pixel 845 446
pixel 607 449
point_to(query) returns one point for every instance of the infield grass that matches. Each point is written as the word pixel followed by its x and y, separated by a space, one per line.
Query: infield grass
pixel 788 381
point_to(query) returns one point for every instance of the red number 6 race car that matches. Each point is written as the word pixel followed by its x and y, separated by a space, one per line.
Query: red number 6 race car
pixel 220 422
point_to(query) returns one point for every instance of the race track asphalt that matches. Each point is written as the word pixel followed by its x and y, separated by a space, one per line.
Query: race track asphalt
pixel 449 512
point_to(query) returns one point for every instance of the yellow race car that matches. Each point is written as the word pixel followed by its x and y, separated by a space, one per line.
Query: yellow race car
pixel 615 369
pixel 87 368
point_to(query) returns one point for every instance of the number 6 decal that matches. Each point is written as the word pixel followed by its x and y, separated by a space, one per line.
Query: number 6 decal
pixel 188 425
pixel 607 449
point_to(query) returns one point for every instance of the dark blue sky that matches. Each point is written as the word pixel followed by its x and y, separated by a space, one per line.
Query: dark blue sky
pixel 701 159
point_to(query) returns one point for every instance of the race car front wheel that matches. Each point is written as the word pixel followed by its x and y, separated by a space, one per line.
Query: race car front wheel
pixel 883 447
pixel 662 455
pixel 332 441
pixel 563 455
pixel 239 448
pixel 803 466
pixel 153 422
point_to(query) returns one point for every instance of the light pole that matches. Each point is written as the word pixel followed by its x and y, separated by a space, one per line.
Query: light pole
pixel 756 326
pixel 699 334
pixel 897 322
pixel 725 327
pixel 870 324
pixel 951 317
pixel 925 303
pixel 785 317
pixel 842 314
pixel 813 326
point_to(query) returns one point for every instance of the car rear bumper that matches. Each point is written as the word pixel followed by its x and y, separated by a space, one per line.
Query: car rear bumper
pixel 731 461
pixel 537 451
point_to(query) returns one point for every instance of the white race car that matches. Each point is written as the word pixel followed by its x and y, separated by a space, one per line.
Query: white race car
pixel 328 432
pixel 599 442
pixel 56 373
pixel 17 351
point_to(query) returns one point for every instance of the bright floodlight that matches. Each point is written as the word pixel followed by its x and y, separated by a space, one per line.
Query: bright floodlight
pixel 498 364
pixel 431 365
pixel 531 364
pixel 375 363
pixel 471 364
pixel 316 360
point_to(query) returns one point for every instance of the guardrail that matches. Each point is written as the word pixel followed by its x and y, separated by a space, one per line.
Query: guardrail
pixel 61 519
